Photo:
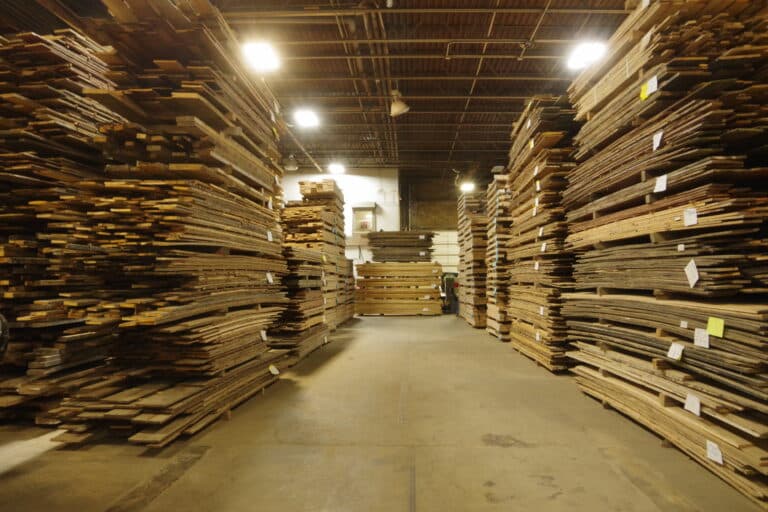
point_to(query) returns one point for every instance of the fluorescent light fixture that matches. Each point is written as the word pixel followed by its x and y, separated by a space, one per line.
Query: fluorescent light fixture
pixel 467 186
pixel 586 54
pixel 336 168
pixel 306 118
pixel 261 56
pixel 290 164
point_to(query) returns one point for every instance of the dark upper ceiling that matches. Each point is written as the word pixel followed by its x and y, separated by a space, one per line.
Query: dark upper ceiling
pixel 465 67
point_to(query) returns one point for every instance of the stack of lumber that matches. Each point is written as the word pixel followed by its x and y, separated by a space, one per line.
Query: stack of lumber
pixel 346 307
pixel 400 246
pixel 398 289
pixel 668 214
pixel 317 222
pixel 301 328
pixel 185 213
pixel 497 275
pixel 473 232
pixel 61 311
pixel 539 265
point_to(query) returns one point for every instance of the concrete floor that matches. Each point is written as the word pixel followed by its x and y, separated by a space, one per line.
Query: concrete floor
pixel 397 414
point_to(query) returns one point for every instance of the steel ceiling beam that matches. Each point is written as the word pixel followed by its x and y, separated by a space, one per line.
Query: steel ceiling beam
pixel 409 97
pixel 420 40
pixel 239 15
pixel 506 78
pixel 409 56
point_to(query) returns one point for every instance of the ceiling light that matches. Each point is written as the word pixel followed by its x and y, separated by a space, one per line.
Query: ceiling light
pixel 336 168
pixel 291 164
pixel 585 54
pixel 261 56
pixel 399 107
pixel 467 186
pixel 306 118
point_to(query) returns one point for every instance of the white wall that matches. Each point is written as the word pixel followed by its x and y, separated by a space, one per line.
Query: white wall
pixel 378 186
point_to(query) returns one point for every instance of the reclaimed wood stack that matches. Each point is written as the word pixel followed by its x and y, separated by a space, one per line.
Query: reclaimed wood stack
pixel 668 214
pixel 497 276
pixel 317 222
pixel 301 328
pixel 346 308
pixel 538 262
pixel 473 233
pixel 184 220
pixel 398 289
pixel 400 246
pixel 56 295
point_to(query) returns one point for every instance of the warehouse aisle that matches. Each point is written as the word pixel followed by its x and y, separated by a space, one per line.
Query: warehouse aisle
pixel 397 414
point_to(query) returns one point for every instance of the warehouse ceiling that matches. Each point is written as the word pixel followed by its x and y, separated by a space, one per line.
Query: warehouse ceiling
pixel 466 69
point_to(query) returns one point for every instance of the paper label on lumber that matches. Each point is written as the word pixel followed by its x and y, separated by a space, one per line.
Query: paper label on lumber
pixel 645 3
pixel 700 337
pixel 645 40
pixel 713 452
pixel 263 335
pixel 536 200
pixel 421 237
pixel 657 139
pixel 535 171
pixel 425 297
pixel 273 370
pixel 426 310
pixel 680 247
pixel 543 246
pixel 538 336
pixel 692 273
pixel 528 123
pixel 422 253
pixel 715 326
pixel 535 265
pixel 675 351
pixel 325 340
pixel 534 212
pixel 690 217
pixel 538 185
pixel 693 404
pixel 684 324
pixel 541 231
pixel 269 203
pixel 270 279
pixel 661 184
pixel 530 143
pixel 541 310
pixel 649 87
pixel 269 235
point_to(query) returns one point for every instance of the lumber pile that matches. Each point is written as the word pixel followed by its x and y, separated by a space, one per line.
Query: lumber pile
pixel 667 213
pixel 61 309
pixel 400 246
pixel 539 264
pixel 301 327
pixel 497 275
pixel 346 307
pixel 398 289
pixel 317 222
pixel 472 232
pixel 182 219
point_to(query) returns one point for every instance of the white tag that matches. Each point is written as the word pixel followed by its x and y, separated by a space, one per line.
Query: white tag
pixel 263 335
pixel 541 231
pixel 528 124
pixel 534 212
pixel 538 185
pixel 653 85
pixel 645 40
pixel 657 139
pixel 645 3
pixel 690 218
pixel 714 453
pixel 538 336
pixel 536 171
pixel 325 300
pixel 535 265
pixel 325 339
pixel 536 200
pixel 661 184
pixel 269 203
pixel 675 351
pixel 421 237
pixel 277 180
pixel 426 297
pixel 680 247
pixel 692 404
pixel 272 116
pixel 425 310
pixel 541 310
pixel 269 235
pixel 683 324
pixel 700 337
pixel 273 370
pixel 270 279
pixel 543 246
pixel 422 253
pixel 692 273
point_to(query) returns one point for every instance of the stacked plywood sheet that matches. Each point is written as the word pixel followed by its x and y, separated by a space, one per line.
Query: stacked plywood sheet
pixel 497 276
pixel 301 328
pixel 61 310
pixel 473 226
pixel 184 221
pixel 668 215
pixel 538 262
pixel 400 246
pixel 317 222
pixel 398 289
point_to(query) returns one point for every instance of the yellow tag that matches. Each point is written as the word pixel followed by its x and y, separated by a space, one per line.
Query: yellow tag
pixel 325 259
pixel 644 91
pixel 715 326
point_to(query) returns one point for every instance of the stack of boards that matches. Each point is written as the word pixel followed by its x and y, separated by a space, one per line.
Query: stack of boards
pixel 400 246
pixel 473 226
pixel 497 275
pixel 317 223
pixel 667 214
pixel 398 289
pixel 170 255
pixel 538 263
